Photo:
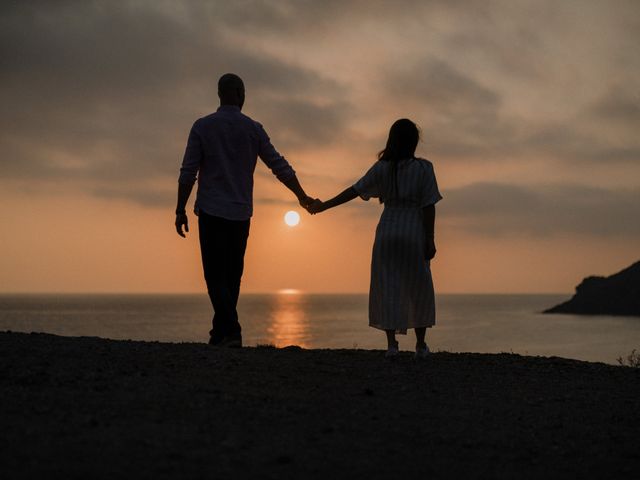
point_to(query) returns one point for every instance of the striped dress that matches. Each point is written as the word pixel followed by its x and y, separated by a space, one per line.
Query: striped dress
pixel 401 294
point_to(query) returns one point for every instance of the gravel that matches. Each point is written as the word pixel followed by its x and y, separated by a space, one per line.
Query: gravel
pixel 88 407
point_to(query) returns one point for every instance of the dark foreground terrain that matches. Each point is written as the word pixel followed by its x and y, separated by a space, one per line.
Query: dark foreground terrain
pixel 93 408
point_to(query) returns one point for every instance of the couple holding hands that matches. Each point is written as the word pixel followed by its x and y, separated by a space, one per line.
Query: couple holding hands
pixel 222 151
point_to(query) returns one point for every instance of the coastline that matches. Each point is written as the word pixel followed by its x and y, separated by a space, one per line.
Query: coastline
pixel 75 406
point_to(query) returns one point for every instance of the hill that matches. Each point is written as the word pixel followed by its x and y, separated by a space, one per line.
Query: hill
pixel 618 294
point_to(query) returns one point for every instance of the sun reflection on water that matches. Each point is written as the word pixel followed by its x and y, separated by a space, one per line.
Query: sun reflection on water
pixel 288 320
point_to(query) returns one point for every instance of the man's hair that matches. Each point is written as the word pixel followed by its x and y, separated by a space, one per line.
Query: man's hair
pixel 228 83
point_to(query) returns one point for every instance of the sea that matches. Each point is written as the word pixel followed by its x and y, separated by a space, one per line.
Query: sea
pixel 465 323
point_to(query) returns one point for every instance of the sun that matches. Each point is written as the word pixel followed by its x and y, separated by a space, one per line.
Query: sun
pixel 292 218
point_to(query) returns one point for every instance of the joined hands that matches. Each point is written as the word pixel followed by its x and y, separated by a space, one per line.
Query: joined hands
pixel 316 207
pixel 312 205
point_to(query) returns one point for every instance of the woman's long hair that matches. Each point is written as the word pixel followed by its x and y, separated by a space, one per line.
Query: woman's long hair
pixel 402 142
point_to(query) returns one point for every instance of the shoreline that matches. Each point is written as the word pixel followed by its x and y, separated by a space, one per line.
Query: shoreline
pixel 90 406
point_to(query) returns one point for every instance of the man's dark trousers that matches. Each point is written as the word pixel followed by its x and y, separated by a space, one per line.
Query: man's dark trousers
pixel 222 245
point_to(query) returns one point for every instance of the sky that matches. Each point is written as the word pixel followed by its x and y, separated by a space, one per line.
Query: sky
pixel 529 111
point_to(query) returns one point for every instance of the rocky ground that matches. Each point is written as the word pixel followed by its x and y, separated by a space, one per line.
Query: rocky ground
pixel 93 408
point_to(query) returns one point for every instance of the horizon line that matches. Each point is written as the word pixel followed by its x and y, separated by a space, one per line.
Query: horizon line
pixel 287 291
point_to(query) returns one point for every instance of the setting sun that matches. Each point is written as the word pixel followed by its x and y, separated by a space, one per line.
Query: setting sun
pixel 292 218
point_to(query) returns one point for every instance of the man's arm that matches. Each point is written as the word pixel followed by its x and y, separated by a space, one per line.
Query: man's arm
pixel 294 185
pixel 281 168
pixel 188 174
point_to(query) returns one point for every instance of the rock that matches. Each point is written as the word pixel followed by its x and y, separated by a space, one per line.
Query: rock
pixel 618 294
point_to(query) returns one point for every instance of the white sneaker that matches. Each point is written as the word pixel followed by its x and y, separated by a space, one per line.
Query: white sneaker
pixel 422 352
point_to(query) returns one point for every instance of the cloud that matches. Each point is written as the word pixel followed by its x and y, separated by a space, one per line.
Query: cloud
pixel 469 121
pixel 99 96
pixel 294 16
pixel 605 130
pixel 464 118
pixel 144 196
pixel 442 89
pixel 305 124
pixel 617 116
pixel 542 210
pixel 103 93
pixel 276 201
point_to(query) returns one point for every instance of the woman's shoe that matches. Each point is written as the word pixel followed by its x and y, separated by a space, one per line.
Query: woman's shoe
pixel 422 352
pixel 392 351
pixel 231 341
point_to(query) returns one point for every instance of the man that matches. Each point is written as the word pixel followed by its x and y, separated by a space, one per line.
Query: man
pixel 223 147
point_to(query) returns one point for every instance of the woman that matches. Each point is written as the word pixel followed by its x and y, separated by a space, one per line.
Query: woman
pixel 401 294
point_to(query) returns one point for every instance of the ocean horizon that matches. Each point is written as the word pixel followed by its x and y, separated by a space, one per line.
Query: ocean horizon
pixel 485 323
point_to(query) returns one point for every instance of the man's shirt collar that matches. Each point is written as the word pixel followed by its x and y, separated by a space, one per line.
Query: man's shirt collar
pixel 228 108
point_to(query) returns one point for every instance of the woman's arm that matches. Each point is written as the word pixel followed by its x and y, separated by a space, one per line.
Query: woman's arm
pixel 429 215
pixel 344 197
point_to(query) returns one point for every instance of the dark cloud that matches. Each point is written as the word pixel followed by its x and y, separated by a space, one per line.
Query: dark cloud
pixel 322 17
pixel 305 124
pixel 467 121
pixel 545 210
pixel 463 117
pixel 572 144
pixel 101 95
pixel 106 92
pixel 605 131
pixel 512 57
pixel 276 201
pixel 442 89
pixel 620 105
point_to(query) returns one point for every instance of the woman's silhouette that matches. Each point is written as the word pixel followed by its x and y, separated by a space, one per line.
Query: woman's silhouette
pixel 401 295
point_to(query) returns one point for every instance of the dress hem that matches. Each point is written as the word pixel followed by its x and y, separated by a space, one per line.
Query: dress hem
pixel 400 331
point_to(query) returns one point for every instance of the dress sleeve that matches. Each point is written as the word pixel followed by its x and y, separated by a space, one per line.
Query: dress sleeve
pixel 430 193
pixel 370 184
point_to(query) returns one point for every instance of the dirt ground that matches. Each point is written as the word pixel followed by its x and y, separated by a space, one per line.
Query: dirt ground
pixel 93 408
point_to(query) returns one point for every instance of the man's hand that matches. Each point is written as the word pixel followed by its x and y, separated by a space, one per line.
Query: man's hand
pixel 182 220
pixel 305 201
pixel 316 207
pixel 430 248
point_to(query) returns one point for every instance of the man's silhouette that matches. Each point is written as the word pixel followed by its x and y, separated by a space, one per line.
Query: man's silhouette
pixel 222 152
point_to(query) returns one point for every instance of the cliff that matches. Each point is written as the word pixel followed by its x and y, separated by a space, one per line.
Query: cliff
pixel 618 294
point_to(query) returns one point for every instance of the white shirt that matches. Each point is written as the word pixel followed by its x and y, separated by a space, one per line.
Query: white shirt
pixel 222 152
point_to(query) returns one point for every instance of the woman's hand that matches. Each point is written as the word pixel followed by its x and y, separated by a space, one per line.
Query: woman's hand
pixel 430 248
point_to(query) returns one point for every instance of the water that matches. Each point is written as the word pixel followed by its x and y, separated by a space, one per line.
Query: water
pixel 479 323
